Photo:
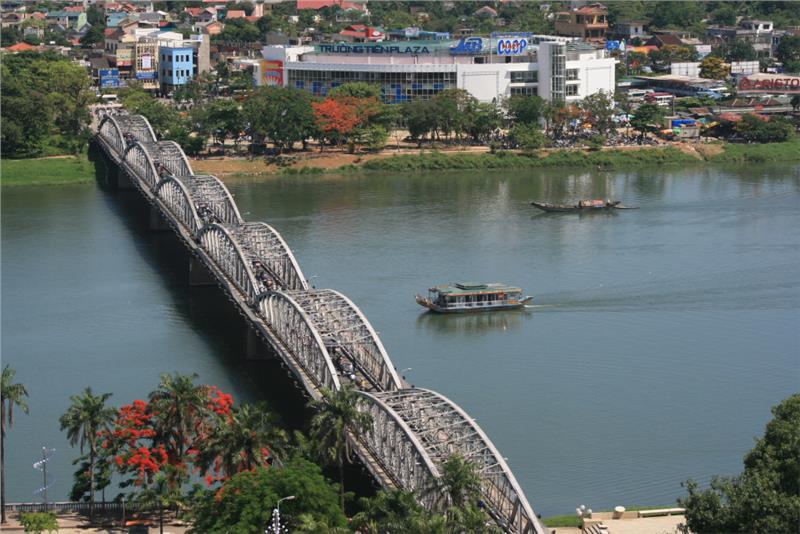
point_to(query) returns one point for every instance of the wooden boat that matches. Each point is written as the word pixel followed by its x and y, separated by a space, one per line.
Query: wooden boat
pixel 472 297
pixel 582 205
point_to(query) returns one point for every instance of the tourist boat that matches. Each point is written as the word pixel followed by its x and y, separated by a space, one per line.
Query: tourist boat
pixel 582 205
pixel 472 297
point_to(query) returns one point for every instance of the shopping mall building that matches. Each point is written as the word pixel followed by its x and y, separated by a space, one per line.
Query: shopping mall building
pixel 490 68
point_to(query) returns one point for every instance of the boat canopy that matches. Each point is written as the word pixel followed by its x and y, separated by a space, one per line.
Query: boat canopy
pixel 473 288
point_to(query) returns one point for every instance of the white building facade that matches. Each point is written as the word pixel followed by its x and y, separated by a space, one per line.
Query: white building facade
pixel 491 69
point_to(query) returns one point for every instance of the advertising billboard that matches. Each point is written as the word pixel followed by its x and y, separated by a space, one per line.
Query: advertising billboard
pixel 147 62
pixel 146 75
pixel 468 45
pixel 109 77
pixel 272 72
pixel 770 83
pixel 511 46
pixel 124 57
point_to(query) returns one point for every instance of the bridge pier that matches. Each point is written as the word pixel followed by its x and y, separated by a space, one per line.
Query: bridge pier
pixel 199 274
pixel 255 347
pixel 117 178
pixel 157 222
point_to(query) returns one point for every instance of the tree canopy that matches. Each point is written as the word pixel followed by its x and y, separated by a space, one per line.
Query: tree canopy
pixel 766 496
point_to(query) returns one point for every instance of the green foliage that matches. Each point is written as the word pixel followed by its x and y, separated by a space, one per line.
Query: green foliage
pixel 681 15
pixel 239 30
pixel 38 522
pixel 525 109
pixel 11 395
pixel 83 421
pixel 755 129
pixel 433 161
pixel 599 111
pixel 528 136
pixel 281 115
pixel 244 504
pixel 788 52
pixel 45 97
pixel 374 137
pixel 714 67
pixel 766 496
pixel 220 119
pixel 737 50
pixel 571 521
pixel 162 118
pixel 336 416
pixel 724 15
pixel 648 118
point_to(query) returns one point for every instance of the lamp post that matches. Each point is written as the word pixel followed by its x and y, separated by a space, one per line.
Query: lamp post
pixel 276 515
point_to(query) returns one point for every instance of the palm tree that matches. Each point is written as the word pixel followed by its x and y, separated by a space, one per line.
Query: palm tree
pixel 460 481
pixel 246 441
pixel 83 420
pixel 179 405
pixel 337 416
pixel 10 394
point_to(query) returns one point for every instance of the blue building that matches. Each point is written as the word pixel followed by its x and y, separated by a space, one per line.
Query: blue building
pixel 176 66
pixel 113 18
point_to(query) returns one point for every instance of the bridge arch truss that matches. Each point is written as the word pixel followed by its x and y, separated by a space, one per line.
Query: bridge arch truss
pixel 347 334
pixel 294 329
pixel 444 429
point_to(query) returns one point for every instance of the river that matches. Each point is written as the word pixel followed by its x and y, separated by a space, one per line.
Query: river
pixel 658 340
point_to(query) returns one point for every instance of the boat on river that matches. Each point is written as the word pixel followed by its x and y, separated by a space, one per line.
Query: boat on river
pixel 464 297
pixel 582 205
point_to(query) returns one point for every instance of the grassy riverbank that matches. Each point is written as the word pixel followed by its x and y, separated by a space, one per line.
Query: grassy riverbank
pixel 617 158
pixel 47 171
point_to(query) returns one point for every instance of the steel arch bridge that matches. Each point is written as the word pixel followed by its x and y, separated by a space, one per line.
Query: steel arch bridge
pixel 320 334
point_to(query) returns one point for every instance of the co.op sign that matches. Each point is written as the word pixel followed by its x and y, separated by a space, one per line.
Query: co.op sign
pixel 781 85
pixel 511 47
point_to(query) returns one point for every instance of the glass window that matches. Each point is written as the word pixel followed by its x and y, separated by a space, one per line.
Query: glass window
pixel 572 74
pixel 572 90
pixel 525 77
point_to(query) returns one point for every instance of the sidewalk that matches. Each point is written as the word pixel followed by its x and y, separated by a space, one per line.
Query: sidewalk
pixel 76 524
pixel 644 525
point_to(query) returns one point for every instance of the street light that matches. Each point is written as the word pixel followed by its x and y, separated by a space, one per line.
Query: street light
pixel 276 515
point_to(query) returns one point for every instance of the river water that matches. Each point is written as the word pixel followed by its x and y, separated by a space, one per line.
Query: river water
pixel 658 340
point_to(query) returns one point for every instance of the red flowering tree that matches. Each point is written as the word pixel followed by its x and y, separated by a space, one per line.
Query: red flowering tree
pixel 185 428
pixel 342 118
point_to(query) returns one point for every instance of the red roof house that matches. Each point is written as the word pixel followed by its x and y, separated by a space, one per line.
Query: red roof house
pixel 319 4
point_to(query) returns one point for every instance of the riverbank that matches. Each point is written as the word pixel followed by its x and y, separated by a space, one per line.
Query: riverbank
pixel 58 170
pixel 409 160
pixel 78 169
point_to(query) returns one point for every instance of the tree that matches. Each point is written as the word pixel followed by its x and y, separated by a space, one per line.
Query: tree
pixel 393 511
pixel 737 50
pixel 453 110
pixel 38 522
pixel 766 496
pixel 161 117
pixel 714 67
pixel 11 395
pixel 221 119
pixel 281 115
pixel 244 504
pixel 84 420
pixel 357 90
pixel 420 119
pixel 248 439
pixel 788 52
pixel 795 102
pixel 648 118
pixel 484 119
pixel 725 15
pixel 93 36
pixel 757 129
pixel 178 406
pixel 599 111
pixel 525 109
pixel 529 137
pixel 337 416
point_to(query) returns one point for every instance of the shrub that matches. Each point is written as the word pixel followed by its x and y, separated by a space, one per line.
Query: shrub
pixel 38 522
